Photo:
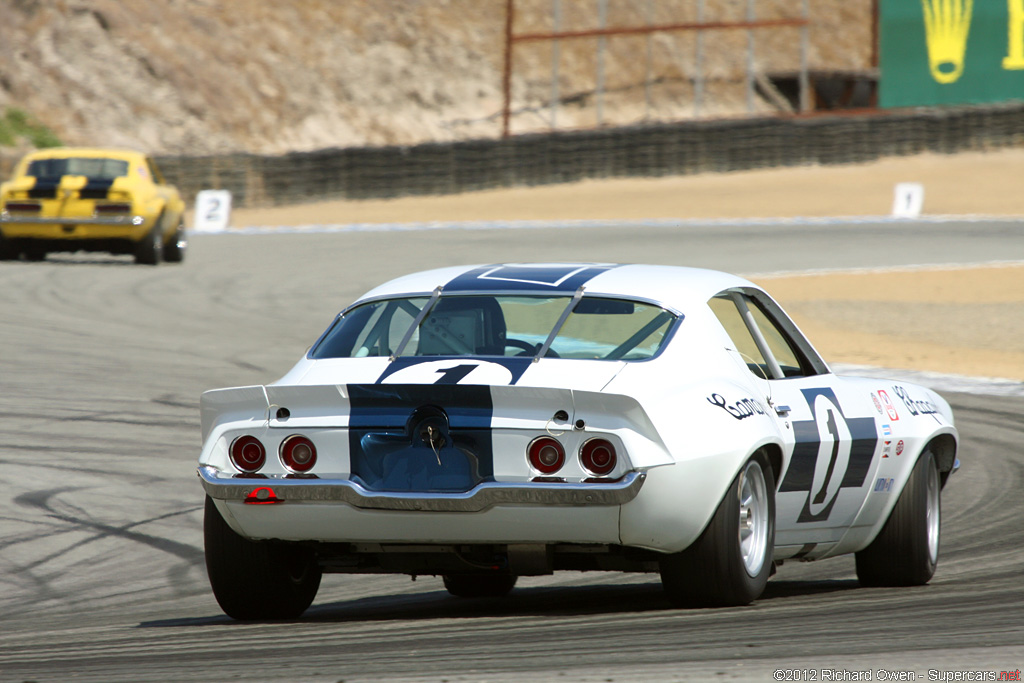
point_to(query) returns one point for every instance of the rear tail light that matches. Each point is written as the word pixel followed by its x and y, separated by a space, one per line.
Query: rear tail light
pixel 598 456
pixel 247 453
pixel 546 455
pixel 107 209
pixel 298 453
pixel 22 207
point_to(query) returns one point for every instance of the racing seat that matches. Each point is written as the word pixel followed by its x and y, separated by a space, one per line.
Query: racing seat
pixel 463 326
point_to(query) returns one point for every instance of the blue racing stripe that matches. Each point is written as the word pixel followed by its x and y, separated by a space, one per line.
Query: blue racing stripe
pixel 555 279
pixel 420 437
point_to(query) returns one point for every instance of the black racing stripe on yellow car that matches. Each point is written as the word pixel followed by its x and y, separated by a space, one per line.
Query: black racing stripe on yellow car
pixel 44 188
pixel 96 188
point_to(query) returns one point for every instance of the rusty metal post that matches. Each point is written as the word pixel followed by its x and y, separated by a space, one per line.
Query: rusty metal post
pixel 602 20
pixel 874 34
pixel 805 79
pixel 650 60
pixel 556 24
pixel 698 78
pixel 506 77
pixel 602 32
pixel 750 58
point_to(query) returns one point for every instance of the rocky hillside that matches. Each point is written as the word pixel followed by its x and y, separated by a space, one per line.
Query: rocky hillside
pixel 266 76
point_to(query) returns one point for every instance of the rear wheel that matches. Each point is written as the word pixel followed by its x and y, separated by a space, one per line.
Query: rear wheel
pixel 34 252
pixel 174 250
pixel 150 250
pixel 906 550
pixel 8 252
pixel 730 562
pixel 479 585
pixel 257 579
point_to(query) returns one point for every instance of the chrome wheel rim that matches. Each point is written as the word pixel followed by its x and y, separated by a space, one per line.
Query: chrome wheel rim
pixel 932 513
pixel 753 526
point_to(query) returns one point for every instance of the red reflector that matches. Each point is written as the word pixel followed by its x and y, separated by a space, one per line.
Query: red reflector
pixel 247 453
pixel 546 455
pixel 264 495
pixel 298 453
pixel 598 456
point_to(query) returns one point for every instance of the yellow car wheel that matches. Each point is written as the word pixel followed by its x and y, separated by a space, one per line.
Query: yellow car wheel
pixel 35 252
pixel 8 252
pixel 150 250
pixel 174 250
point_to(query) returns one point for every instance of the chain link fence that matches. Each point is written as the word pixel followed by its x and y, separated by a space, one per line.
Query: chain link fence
pixel 650 150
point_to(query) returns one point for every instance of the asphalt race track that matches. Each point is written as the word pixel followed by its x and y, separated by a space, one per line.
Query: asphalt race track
pixel 101 560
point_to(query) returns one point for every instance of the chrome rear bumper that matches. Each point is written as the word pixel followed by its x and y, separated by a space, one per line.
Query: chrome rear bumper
pixel 6 217
pixel 482 497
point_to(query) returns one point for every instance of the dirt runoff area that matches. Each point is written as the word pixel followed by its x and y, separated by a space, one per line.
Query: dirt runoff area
pixel 834 309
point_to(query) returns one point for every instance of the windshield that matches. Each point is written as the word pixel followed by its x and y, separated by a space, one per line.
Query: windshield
pixel 95 168
pixel 595 328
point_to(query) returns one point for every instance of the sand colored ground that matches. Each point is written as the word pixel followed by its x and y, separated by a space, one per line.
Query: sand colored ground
pixel 969 183
pixel 968 322
pixel 965 322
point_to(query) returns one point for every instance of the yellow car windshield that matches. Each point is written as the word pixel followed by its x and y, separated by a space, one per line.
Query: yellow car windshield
pixel 93 168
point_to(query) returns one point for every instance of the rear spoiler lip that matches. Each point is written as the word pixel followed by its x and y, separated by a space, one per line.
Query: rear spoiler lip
pixel 326 406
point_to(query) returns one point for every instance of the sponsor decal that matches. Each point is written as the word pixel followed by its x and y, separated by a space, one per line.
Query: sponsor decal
pixel 890 408
pixel 916 407
pixel 883 485
pixel 878 404
pixel 886 430
pixel 899 447
pixel 947 23
pixel 832 452
pixel 886 448
pixel 741 409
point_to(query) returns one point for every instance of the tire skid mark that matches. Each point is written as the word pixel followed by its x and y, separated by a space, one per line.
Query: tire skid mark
pixel 41 500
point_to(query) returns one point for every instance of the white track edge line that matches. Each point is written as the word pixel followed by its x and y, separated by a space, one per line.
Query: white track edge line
pixel 602 223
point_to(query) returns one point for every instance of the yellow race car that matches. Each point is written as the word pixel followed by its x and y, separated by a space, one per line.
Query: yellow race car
pixel 76 199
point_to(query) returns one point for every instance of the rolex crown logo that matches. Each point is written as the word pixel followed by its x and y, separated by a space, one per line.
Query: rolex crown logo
pixel 947 24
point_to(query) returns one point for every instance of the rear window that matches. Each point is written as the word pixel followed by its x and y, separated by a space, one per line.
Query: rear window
pixel 94 168
pixel 593 328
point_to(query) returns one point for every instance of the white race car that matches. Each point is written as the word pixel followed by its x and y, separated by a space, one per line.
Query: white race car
pixel 490 422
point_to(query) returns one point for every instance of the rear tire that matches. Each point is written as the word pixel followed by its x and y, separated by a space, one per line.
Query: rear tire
pixel 730 562
pixel 906 550
pixel 479 585
pixel 8 252
pixel 34 252
pixel 174 250
pixel 257 579
pixel 150 250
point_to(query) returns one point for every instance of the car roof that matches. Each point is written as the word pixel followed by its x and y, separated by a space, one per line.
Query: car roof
pixel 673 286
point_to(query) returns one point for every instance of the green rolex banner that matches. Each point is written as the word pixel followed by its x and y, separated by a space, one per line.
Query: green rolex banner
pixel 950 52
